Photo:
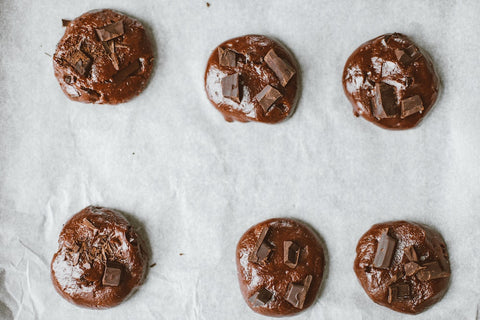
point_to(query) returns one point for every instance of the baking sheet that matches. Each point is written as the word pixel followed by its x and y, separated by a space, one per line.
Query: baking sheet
pixel 194 183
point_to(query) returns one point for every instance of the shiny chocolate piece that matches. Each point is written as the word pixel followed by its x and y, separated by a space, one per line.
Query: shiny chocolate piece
pixel 415 279
pixel 262 248
pixel 384 254
pixel 101 260
pixel 230 87
pixel 268 79
pixel 261 297
pixel 385 71
pixel 411 106
pixel 292 289
pixel 65 22
pixel 104 57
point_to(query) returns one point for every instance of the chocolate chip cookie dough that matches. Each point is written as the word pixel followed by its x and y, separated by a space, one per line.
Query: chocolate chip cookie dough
pixel 390 82
pixel 403 266
pixel 252 78
pixel 103 57
pixel 100 261
pixel 280 264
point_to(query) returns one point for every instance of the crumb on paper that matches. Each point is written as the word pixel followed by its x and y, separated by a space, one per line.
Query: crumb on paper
pixel 208 4
pixel 181 253
pixel 153 265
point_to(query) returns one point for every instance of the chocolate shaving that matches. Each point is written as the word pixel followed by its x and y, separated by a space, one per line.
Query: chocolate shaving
pixel 398 291
pixel 412 268
pixel 397 276
pixel 112 54
pixel 111 31
pixel 230 88
pixel 384 254
pixel 262 249
pixel 297 293
pixel 127 71
pixel 291 253
pixel 267 97
pixel 411 106
pixel 79 61
pixel 261 297
pixel 431 271
pixel 411 254
pixel 384 103
pixel 280 67
pixel 88 224
pixel 227 57
pixel 111 276
pixel 65 22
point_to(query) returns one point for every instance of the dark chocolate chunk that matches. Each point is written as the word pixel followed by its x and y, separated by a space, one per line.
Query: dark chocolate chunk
pixel 230 87
pixel 261 297
pixel 403 57
pixel 412 268
pixel 111 31
pixel 262 249
pixel 398 291
pixel 432 270
pixel 65 22
pixel 282 69
pixel 227 57
pixel 385 249
pixel 79 61
pixel 291 252
pixel 384 103
pixel 127 71
pixel 411 254
pixel 110 48
pixel 411 105
pixel 297 293
pixel 111 276
pixel 267 97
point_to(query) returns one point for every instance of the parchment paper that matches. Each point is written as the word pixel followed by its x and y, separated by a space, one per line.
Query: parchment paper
pixel 194 183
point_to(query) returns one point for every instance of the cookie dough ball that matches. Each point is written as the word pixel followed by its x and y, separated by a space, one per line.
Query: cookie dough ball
pixel 103 57
pixel 280 264
pixel 252 78
pixel 390 82
pixel 100 261
pixel 403 266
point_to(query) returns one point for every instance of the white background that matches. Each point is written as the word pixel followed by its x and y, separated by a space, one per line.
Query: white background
pixel 195 183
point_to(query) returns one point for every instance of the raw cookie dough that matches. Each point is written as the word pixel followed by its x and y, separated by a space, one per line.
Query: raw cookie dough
pixel 403 266
pixel 252 78
pixel 390 82
pixel 100 261
pixel 103 57
pixel 280 264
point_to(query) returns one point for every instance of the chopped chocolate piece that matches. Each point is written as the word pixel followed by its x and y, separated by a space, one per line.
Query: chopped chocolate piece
pixel 411 105
pixel 79 61
pixel 261 297
pixel 267 97
pixel 384 103
pixel 282 69
pixel 111 31
pixel 398 291
pixel 411 254
pixel 385 249
pixel 111 276
pixel 291 252
pixel 230 87
pixel 413 52
pixel 412 268
pixel 110 47
pixel 430 271
pixel 262 249
pixel 297 293
pixel 65 22
pixel 88 224
pixel 127 71
pixel 403 57
pixel 227 57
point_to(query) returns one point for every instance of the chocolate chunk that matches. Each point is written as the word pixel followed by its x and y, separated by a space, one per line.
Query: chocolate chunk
pixel 110 47
pixel 385 249
pixel 111 276
pixel 282 69
pixel 411 254
pixel 432 270
pixel 127 71
pixel 384 103
pixel 412 268
pixel 262 249
pixel 65 22
pixel 297 293
pixel 411 105
pixel 79 61
pixel 227 57
pixel 267 97
pixel 261 297
pixel 230 87
pixel 111 31
pixel 403 57
pixel 398 291
pixel 291 252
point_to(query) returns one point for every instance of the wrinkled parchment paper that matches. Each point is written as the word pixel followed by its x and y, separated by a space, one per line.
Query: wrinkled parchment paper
pixel 194 183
